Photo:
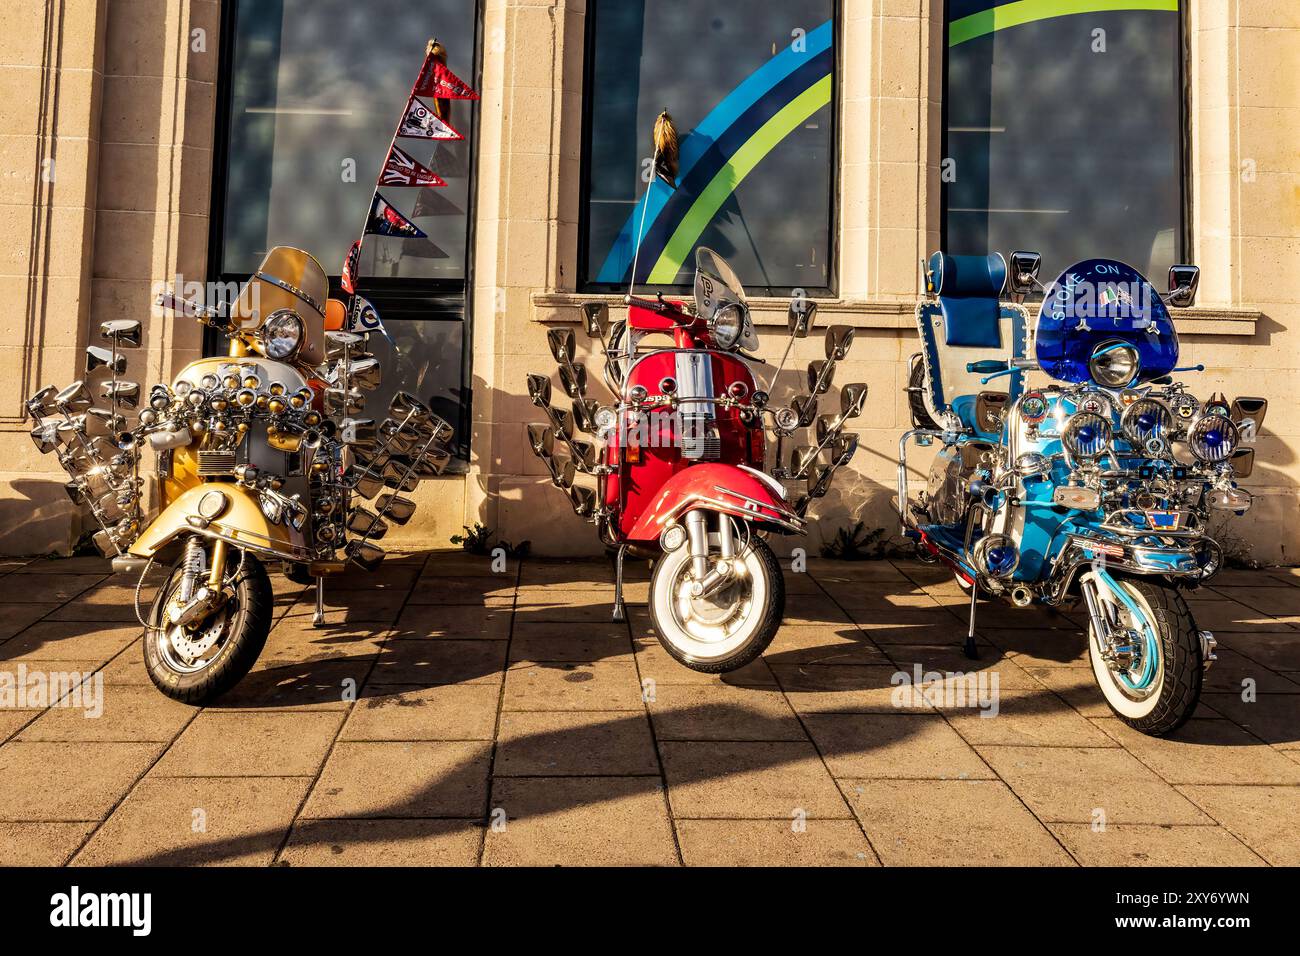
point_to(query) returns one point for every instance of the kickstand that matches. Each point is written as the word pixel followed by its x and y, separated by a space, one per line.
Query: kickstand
pixel 620 611
pixel 318 619
pixel 970 650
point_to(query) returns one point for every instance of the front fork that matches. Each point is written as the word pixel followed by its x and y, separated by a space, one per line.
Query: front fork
pixel 709 580
pixel 193 602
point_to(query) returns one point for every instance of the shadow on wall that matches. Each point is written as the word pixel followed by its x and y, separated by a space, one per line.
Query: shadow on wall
pixel 37 517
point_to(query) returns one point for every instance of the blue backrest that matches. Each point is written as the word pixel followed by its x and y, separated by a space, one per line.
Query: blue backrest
pixel 967 322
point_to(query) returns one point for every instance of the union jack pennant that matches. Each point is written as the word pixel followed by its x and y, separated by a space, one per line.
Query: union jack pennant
pixel 384 220
pixel 402 170
pixel 423 123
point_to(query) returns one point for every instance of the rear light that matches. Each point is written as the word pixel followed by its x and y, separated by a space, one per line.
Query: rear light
pixel 668 386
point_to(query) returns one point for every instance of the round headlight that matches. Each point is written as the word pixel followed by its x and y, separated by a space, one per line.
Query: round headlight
pixel 281 334
pixel 1213 438
pixel 1145 419
pixel 727 326
pixel 1114 364
pixel 1086 435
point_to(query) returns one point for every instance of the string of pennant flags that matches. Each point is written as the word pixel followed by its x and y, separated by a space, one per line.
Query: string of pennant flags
pixel 435 85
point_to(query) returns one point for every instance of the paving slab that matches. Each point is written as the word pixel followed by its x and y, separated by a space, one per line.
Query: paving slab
pixel 232 744
pixel 950 823
pixel 721 712
pixel 70 781
pixel 1206 752
pixel 401 779
pixel 15 618
pixel 912 746
pixel 1143 845
pixel 23 588
pixel 1263 818
pixel 579 821
pixel 739 781
pixel 41 844
pixel 112 712
pixel 382 843
pixel 201 820
pixel 423 712
pixel 736 843
pixel 69 641
pixel 569 686
pixel 1087 784
pixel 575 743
pixel 440 662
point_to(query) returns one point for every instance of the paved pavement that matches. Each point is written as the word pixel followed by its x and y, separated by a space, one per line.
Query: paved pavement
pixel 450 715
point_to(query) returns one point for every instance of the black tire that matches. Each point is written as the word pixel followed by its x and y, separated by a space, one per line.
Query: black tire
pixel 916 401
pixel 772 614
pixel 245 632
pixel 1183 670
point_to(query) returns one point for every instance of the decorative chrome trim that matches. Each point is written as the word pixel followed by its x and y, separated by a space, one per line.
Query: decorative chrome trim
pixel 292 289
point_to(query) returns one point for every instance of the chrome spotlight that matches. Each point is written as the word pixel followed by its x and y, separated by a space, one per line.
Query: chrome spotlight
pixel 1145 419
pixel 1086 436
pixel 1213 438
pixel 996 555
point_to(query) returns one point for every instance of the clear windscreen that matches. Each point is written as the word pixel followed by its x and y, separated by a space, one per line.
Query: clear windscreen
pixel 716 283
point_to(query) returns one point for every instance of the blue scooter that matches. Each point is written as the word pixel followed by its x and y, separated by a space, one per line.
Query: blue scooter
pixel 1092 473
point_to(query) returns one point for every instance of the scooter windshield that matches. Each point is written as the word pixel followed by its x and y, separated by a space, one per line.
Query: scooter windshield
pixel 716 284
pixel 1099 301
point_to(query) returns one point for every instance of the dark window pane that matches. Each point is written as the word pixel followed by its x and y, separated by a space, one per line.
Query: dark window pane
pixel 750 87
pixel 1065 137
pixel 317 91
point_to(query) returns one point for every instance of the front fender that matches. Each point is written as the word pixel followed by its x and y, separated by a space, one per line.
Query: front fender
pixel 242 524
pixel 730 489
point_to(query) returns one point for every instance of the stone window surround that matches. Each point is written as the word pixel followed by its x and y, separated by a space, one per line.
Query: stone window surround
pixel 901 150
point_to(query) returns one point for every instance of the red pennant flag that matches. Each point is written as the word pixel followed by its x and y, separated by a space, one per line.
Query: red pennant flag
pixel 402 170
pixel 440 83
pixel 423 123
pixel 351 268
pixel 384 220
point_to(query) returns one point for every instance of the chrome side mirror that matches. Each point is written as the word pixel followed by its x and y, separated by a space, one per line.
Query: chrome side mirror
pixel 805 406
pixel 97 357
pixel 563 345
pixel 1024 272
pixel 803 312
pixel 121 393
pixel 595 317
pixel 839 339
pixel 852 399
pixel 846 446
pixel 573 378
pixel 539 390
pixel 542 440
pixel 821 373
pixel 123 333
pixel 75 398
pixel 366 373
pixel 1183 283
pixel 1249 414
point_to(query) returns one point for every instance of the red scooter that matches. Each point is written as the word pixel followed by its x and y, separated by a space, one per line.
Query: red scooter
pixel 682 476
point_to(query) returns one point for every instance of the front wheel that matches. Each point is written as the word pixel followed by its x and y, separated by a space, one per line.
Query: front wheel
pixel 1150 667
pixel 202 659
pixel 728 628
